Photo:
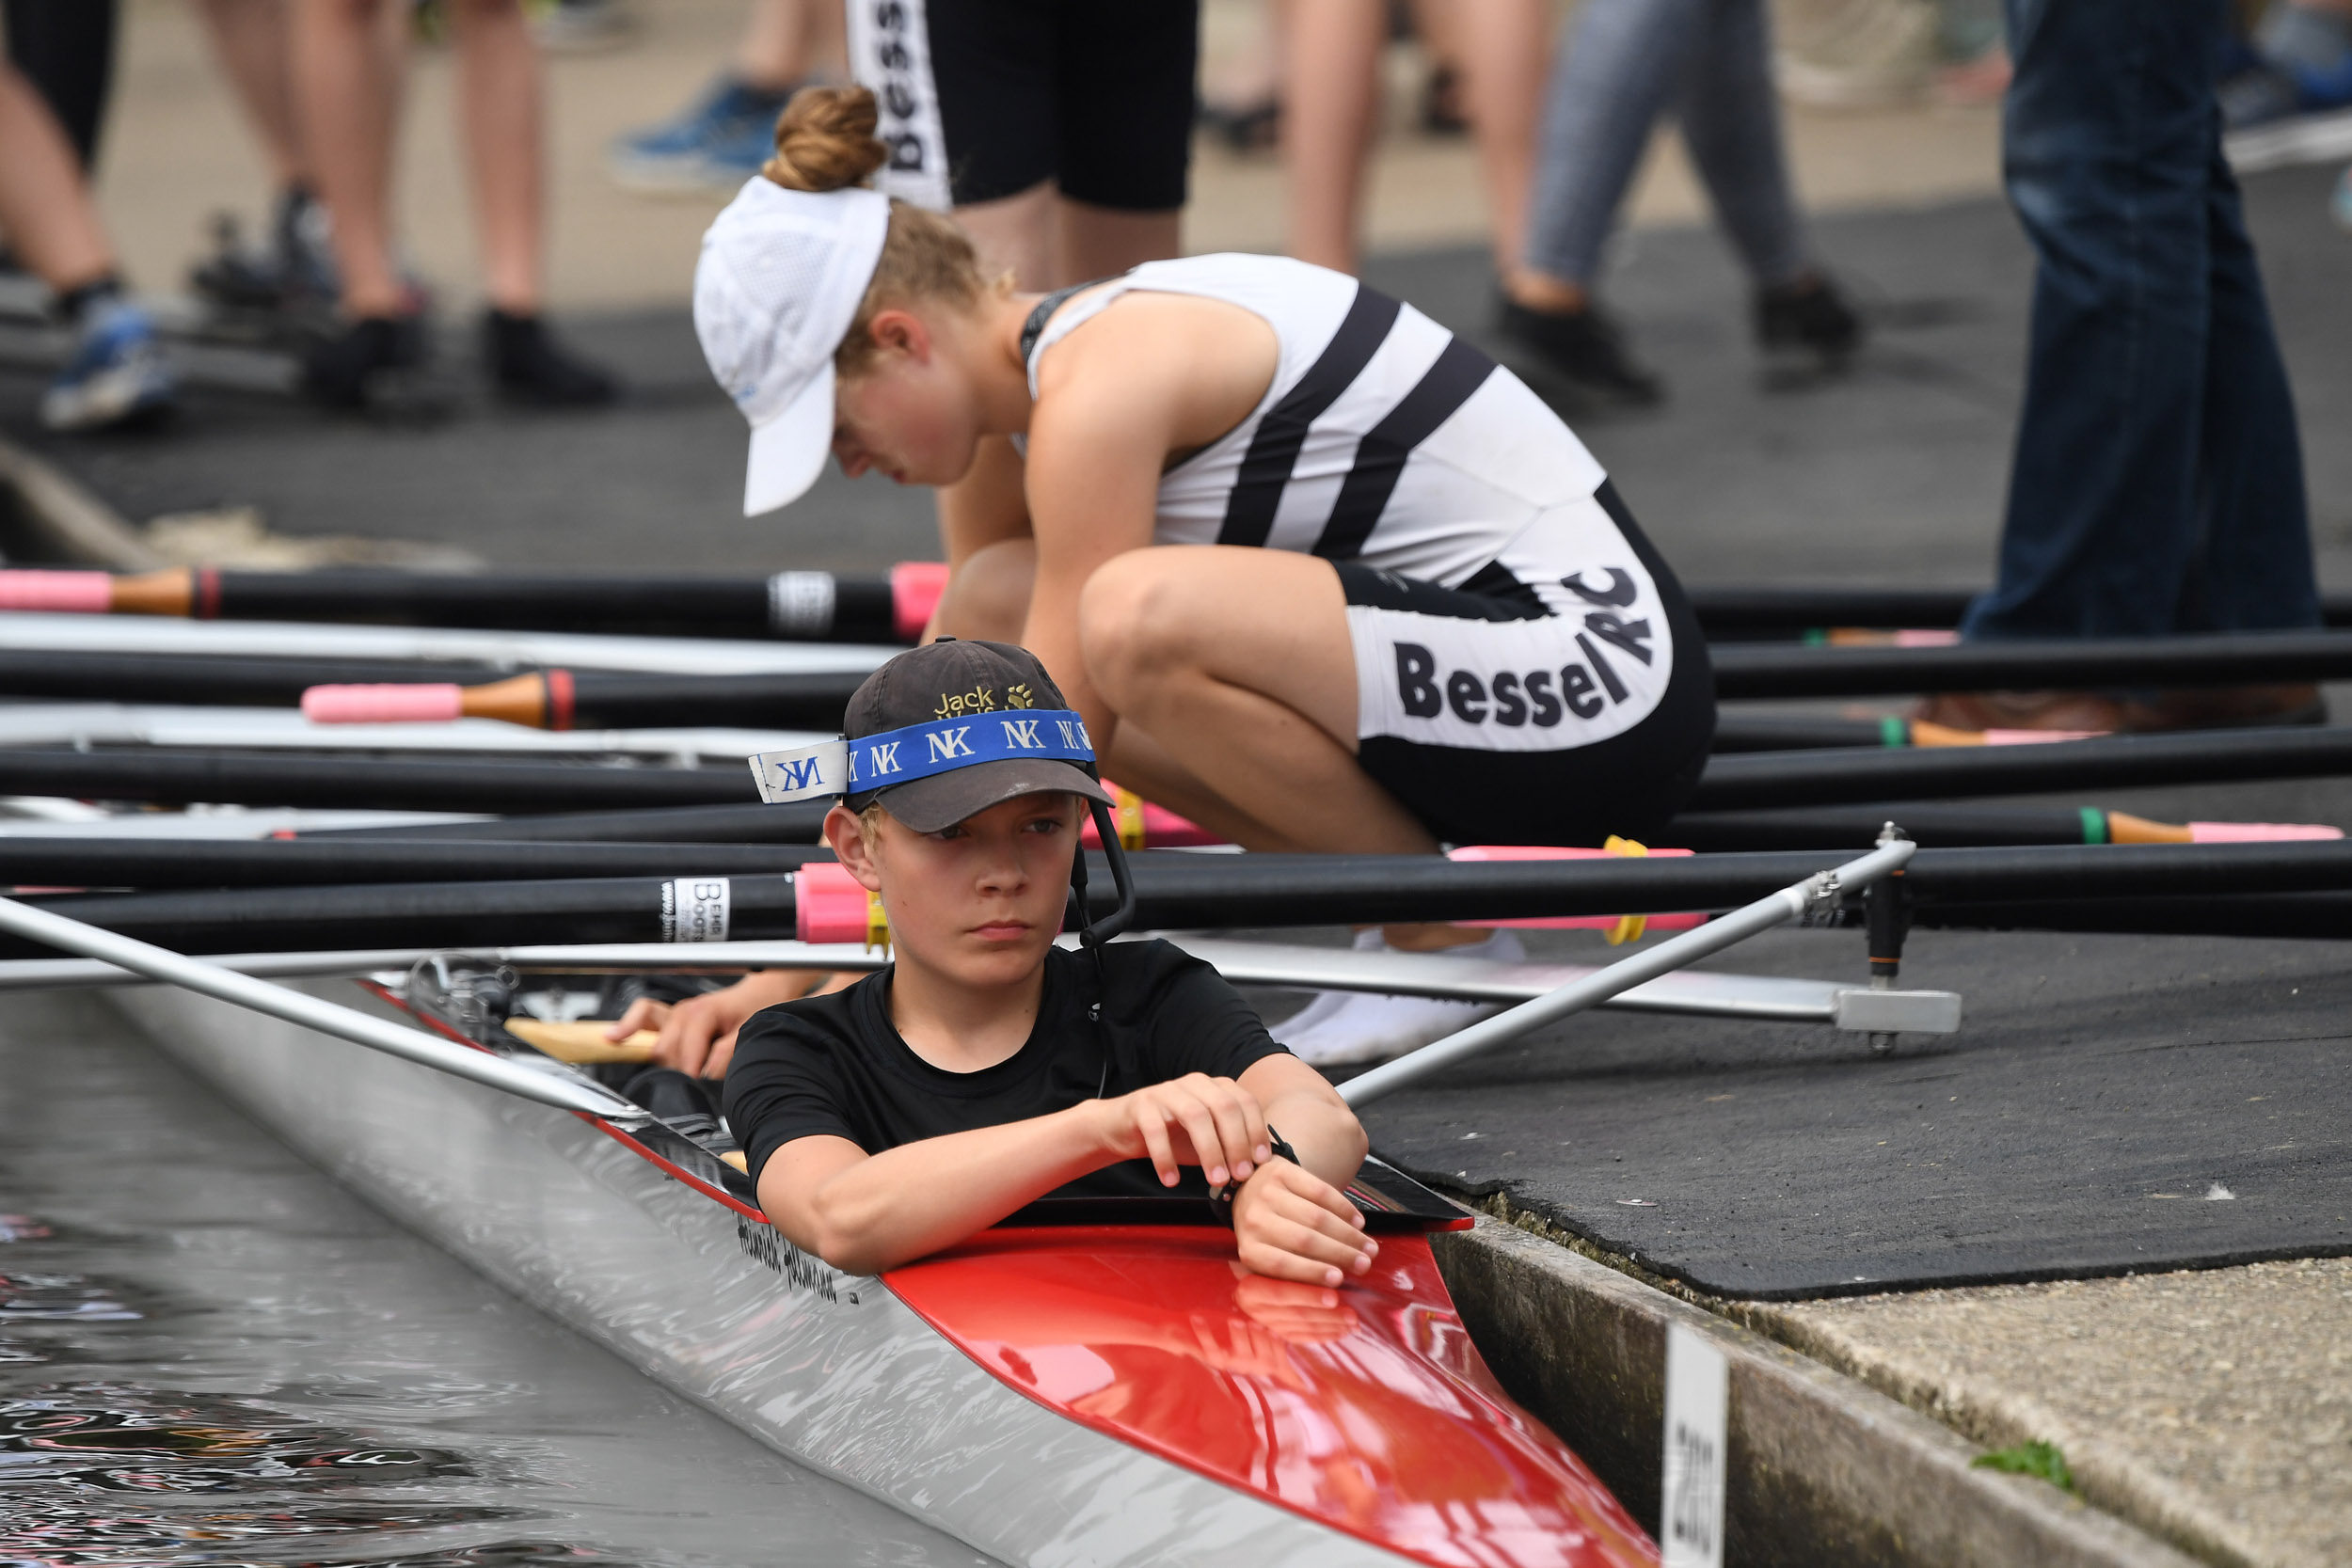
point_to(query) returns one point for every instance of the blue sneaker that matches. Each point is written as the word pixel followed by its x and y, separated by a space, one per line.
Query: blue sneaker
pixel 710 146
pixel 116 376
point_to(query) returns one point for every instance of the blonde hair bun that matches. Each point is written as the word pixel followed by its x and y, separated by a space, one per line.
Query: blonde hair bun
pixel 825 141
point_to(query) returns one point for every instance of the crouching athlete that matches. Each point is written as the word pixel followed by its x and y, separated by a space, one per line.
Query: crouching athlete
pixel 1320 575
pixel 985 1067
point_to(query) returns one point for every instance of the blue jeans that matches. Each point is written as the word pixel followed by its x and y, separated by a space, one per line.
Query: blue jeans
pixel 1627 63
pixel 2158 480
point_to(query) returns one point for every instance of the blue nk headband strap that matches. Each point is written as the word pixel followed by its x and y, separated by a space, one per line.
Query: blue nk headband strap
pixel 918 752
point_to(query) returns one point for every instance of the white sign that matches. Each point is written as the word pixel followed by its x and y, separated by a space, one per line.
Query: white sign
pixel 696 909
pixel 1699 1410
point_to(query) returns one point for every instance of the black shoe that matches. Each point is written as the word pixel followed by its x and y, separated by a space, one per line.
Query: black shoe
pixel 1582 347
pixel 1807 321
pixel 529 367
pixel 345 371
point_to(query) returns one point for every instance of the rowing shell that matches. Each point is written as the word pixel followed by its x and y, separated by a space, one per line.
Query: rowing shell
pixel 1109 1392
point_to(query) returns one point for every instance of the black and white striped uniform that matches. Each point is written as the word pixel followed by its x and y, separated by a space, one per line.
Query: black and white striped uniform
pixel 1527 668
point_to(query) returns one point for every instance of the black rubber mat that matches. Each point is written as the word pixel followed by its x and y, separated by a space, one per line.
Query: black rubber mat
pixel 2111 1105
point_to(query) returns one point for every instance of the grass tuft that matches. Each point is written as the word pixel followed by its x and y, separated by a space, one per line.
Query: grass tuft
pixel 2029 1459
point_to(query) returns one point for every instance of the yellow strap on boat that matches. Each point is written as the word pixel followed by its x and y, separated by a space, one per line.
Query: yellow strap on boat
pixel 1628 926
pixel 1128 816
pixel 877 923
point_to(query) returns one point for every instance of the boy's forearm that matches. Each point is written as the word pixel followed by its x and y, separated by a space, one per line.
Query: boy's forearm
pixel 1324 1132
pixel 921 1197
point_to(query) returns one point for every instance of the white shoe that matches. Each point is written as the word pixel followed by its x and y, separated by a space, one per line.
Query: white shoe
pixel 1343 1028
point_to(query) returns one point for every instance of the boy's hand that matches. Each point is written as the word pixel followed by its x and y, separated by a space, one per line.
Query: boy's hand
pixel 1194 1120
pixel 698 1034
pixel 1294 1225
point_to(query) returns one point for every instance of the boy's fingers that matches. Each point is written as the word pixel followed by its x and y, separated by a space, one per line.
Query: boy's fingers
pixel 722 1053
pixel 1201 1126
pixel 1272 1261
pixel 1228 1106
pixel 642 1013
pixel 1315 1190
pixel 1306 1214
pixel 1151 1123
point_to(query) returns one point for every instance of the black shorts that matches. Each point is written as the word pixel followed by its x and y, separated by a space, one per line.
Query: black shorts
pixel 1544 712
pixel 1094 95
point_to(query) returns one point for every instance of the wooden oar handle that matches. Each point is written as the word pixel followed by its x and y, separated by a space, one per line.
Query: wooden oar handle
pixel 582 1044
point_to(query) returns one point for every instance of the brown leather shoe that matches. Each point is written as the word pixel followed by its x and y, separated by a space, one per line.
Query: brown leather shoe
pixel 2227 707
pixel 2022 710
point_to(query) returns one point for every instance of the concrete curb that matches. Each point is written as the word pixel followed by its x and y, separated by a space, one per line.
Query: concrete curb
pixel 67 519
pixel 2108 1479
pixel 1823 1470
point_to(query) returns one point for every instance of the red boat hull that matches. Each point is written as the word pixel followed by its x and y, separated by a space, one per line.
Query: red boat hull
pixel 1366 1408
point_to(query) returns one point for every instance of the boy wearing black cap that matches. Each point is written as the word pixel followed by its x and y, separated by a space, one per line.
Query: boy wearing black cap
pixel 986 1067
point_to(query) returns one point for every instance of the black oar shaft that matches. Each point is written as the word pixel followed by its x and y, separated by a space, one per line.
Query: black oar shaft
pixel 746 824
pixel 1766 779
pixel 427 914
pixel 827 605
pixel 1211 891
pixel 811 702
pixel 2242 658
pixel 175 777
pixel 1931 827
pixel 1738 613
pixel 214 863
pixel 208 680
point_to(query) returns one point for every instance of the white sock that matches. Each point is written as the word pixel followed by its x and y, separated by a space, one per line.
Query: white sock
pixel 1343 1028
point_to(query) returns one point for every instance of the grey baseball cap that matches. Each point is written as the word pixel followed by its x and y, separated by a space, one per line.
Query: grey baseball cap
pixel 953 679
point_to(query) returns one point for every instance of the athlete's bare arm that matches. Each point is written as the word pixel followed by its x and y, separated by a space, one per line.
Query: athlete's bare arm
pixel 864 1213
pixel 1233 666
pixel 1151 378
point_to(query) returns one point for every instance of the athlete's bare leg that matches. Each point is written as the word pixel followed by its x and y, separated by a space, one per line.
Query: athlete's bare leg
pixel 988 596
pixel 1238 662
pixel 44 205
pixel 250 38
pixel 1015 234
pixel 1504 51
pixel 1330 107
pixel 499 81
pixel 346 80
pixel 1103 241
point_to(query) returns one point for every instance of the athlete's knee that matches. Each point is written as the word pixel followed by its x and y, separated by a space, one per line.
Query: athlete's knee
pixel 989 596
pixel 1131 623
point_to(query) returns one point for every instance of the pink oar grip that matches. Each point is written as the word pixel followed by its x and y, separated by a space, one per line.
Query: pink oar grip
pixel 1162 830
pixel 1925 637
pixel 2258 832
pixel 1566 922
pixel 914 590
pixel 828 905
pixel 58 593
pixel 2034 737
pixel 434 703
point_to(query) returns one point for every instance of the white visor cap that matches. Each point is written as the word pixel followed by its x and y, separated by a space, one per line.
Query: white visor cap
pixel 778 281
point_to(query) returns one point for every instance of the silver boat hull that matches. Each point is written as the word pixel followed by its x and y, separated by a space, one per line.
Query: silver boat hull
pixel 831 1370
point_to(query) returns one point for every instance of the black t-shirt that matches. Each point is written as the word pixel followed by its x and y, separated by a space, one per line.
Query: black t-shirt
pixel 837 1064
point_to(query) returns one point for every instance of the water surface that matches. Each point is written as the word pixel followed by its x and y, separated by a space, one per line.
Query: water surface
pixel 211 1354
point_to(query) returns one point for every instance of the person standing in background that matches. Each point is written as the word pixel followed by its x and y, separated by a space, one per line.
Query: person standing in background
pixel 115 373
pixel 1626 63
pixel 2157 486
pixel 1059 133
pixel 1331 91
pixel 347 74
pixel 724 136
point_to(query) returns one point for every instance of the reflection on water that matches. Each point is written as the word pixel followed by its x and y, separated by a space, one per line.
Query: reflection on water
pixel 209 1354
